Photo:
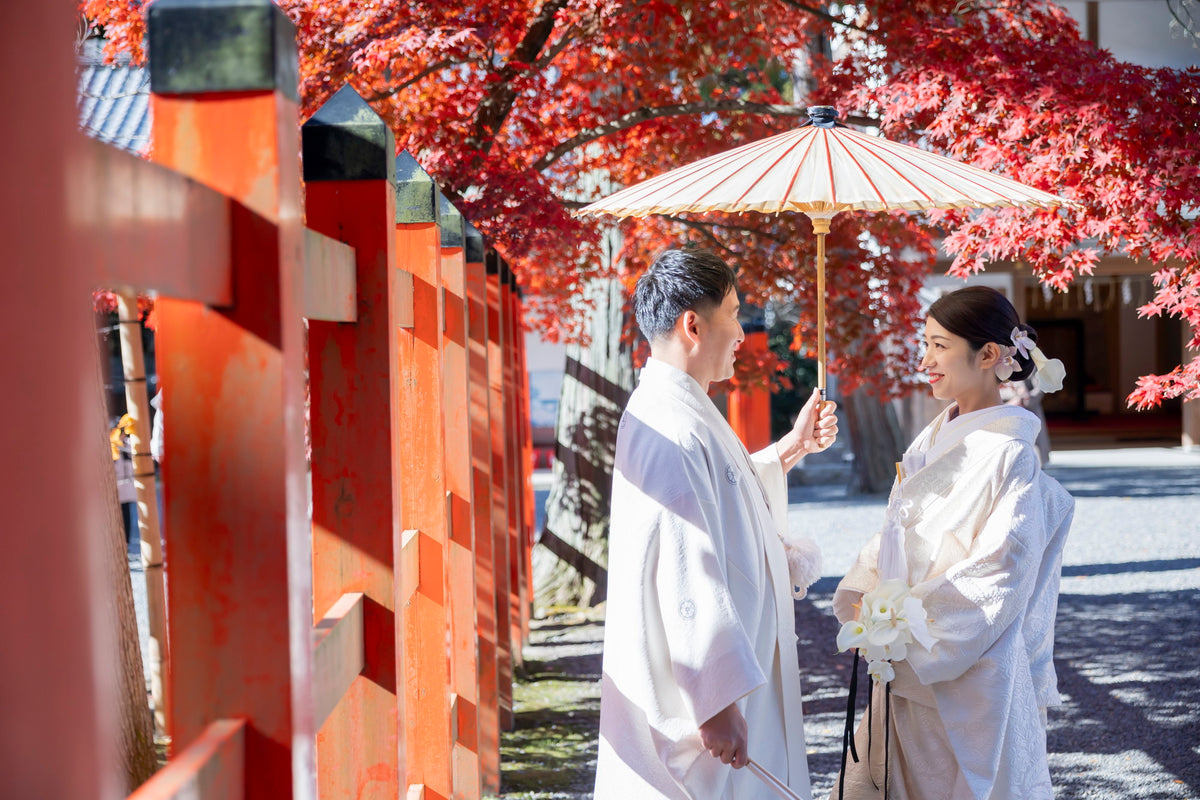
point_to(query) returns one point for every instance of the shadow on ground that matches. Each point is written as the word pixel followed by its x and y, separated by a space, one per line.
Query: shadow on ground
pixel 551 752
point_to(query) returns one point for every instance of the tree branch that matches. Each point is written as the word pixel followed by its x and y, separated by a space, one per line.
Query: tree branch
pixel 705 230
pixel 1179 10
pixel 701 225
pixel 432 68
pixel 819 14
pixel 495 108
pixel 682 109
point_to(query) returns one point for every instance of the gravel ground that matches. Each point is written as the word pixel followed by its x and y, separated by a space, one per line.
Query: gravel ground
pixel 1127 637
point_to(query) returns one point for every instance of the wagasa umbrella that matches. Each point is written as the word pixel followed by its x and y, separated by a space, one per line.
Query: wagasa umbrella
pixel 820 168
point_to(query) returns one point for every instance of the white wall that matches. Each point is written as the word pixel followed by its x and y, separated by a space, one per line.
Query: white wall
pixel 1138 31
pixel 545 362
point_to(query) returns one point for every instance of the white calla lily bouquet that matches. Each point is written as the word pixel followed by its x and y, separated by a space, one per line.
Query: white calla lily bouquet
pixel 889 620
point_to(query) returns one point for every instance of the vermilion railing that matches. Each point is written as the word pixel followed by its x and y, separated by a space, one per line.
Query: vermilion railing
pixel 365 649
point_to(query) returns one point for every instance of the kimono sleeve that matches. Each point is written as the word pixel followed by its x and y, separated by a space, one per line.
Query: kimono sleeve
pixel 974 603
pixel 713 662
pixel 803 553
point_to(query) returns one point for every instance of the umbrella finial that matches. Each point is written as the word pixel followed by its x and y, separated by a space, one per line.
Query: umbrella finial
pixel 823 116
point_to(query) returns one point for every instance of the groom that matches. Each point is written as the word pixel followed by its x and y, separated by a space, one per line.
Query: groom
pixel 700 643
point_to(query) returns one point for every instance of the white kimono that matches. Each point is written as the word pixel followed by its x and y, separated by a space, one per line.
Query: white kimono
pixel 984 529
pixel 700 611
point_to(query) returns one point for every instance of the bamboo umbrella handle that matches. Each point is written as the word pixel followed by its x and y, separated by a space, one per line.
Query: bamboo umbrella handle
pixel 820 227
pixel 777 785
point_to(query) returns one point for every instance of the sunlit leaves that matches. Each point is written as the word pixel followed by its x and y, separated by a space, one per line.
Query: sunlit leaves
pixel 486 94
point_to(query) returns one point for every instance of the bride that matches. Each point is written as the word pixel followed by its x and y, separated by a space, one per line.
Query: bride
pixel 982 530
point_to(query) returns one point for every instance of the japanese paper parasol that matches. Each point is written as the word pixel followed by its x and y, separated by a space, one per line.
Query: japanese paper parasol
pixel 820 168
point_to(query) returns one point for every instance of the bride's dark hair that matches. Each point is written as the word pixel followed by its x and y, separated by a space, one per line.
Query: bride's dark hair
pixel 980 315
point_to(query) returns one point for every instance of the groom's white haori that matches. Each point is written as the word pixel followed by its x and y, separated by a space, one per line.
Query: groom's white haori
pixel 700 611
pixel 984 529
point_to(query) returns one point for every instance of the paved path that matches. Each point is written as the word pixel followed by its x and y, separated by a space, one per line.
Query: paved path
pixel 1128 652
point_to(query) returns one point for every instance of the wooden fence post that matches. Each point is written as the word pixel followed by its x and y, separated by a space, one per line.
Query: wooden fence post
pixel 420 444
pixel 57 724
pixel 501 553
pixel 224 102
pixel 514 474
pixel 464 649
pixel 481 474
pixel 525 447
pixel 349 170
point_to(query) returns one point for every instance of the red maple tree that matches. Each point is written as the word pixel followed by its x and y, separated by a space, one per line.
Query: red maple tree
pixel 525 110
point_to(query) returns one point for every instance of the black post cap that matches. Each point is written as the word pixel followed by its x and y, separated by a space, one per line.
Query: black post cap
pixel 207 46
pixel 347 141
pixel 416 193
pixel 473 245
pixel 491 262
pixel 451 222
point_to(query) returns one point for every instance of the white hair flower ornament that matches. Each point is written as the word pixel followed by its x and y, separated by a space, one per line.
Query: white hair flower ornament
pixel 1050 371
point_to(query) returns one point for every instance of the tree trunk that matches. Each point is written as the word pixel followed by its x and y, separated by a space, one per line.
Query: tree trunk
pixel 146 483
pixel 569 567
pixel 875 439
pixel 136 745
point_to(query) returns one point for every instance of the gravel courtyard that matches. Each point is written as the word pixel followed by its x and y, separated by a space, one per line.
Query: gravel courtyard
pixel 1128 636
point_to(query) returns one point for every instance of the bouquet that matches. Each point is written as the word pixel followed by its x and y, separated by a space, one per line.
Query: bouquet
pixel 889 620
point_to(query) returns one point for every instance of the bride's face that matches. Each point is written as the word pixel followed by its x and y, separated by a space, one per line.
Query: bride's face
pixel 954 372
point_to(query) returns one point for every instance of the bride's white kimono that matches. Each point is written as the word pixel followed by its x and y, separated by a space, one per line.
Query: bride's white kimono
pixel 700 612
pixel 984 529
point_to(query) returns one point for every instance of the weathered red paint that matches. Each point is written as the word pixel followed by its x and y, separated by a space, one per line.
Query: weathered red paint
pixel 55 726
pixel 487 715
pixel 464 651
pixel 419 439
pixel 353 388
pixel 234 470
pixel 525 442
pixel 518 585
pixel 119 200
pixel 501 552
pixel 213 765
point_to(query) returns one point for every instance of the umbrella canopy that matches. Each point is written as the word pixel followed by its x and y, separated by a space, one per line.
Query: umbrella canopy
pixel 822 166
pixel 819 169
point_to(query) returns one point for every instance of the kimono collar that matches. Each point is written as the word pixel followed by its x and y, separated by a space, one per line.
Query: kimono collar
pixel 677 382
pixel 982 430
pixel 683 387
pixel 1004 421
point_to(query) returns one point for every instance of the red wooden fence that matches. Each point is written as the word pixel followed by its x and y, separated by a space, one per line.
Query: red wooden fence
pixel 365 649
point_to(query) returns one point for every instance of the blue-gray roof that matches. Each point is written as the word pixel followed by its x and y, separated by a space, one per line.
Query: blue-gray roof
pixel 114 100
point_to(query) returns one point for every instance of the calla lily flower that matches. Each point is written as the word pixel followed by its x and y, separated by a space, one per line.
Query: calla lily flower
pixel 882 671
pixel 890 619
pixel 883 635
pixel 918 626
pixel 853 634
pixel 1050 372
